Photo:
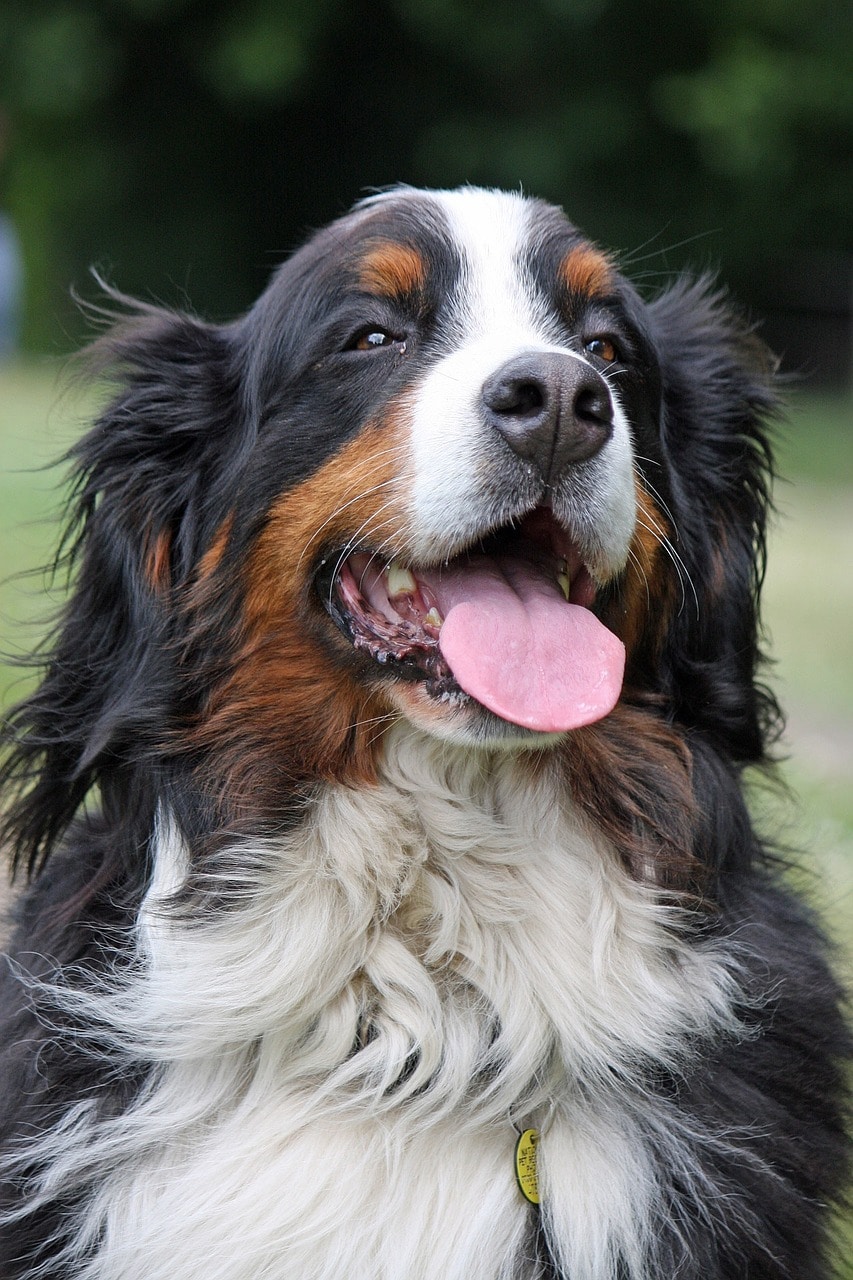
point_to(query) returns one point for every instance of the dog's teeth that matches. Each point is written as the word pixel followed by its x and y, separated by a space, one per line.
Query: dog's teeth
pixel 434 618
pixel 400 580
pixel 563 580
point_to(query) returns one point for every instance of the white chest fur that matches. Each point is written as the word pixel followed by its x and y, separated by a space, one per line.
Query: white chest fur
pixel 343 1052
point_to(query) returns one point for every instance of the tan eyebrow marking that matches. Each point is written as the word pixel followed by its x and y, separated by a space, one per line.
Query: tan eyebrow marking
pixel 393 270
pixel 586 270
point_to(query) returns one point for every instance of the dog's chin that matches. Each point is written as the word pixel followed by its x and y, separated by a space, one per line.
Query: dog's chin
pixel 457 718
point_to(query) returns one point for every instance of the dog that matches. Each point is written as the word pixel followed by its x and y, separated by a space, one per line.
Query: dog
pixel 394 909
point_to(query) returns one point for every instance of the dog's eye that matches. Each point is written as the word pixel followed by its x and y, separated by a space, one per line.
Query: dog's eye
pixel 374 339
pixel 603 349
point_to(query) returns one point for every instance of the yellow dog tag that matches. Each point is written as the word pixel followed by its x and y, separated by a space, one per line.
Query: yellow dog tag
pixel 525 1165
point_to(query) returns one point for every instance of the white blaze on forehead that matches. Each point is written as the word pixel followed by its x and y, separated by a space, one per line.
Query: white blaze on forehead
pixel 496 295
pixel 496 313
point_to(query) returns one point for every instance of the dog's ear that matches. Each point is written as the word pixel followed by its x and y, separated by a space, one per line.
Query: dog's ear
pixel 149 480
pixel 718 396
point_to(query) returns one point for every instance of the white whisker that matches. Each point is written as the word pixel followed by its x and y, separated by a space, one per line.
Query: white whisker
pixel 644 480
pixel 352 542
pixel 680 567
pixel 363 493
pixel 641 573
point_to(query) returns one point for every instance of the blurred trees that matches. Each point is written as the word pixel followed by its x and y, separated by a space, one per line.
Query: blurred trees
pixel 185 146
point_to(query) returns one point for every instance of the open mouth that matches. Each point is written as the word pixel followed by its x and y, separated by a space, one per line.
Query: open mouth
pixel 509 623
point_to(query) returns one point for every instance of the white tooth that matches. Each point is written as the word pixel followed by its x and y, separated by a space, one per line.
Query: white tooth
pixel 434 618
pixel 563 580
pixel 400 580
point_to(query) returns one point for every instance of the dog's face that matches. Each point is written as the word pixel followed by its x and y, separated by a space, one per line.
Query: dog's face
pixel 450 467
pixel 449 388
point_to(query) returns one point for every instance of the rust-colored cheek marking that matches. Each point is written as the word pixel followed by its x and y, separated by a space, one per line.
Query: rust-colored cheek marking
pixel 647 592
pixel 393 270
pixel 295 708
pixel 586 270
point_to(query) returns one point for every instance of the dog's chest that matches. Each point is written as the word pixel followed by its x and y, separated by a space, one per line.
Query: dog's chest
pixel 425 969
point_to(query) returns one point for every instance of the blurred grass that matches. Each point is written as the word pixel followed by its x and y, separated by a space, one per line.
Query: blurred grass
pixel 808 611
pixel 40 416
pixel 816 444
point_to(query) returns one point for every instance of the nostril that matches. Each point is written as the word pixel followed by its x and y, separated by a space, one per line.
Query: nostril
pixel 530 398
pixel 517 397
pixel 593 405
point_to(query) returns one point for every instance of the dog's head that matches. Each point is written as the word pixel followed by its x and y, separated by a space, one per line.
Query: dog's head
pixel 450 467
pixel 443 387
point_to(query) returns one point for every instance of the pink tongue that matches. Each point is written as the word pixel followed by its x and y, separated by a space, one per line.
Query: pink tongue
pixel 516 645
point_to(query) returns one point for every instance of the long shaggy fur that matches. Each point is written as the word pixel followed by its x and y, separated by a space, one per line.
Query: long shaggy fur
pixel 309 935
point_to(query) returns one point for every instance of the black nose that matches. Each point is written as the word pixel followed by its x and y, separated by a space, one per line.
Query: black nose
pixel 552 409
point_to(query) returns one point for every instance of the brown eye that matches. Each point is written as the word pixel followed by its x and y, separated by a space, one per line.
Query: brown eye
pixel 602 349
pixel 375 339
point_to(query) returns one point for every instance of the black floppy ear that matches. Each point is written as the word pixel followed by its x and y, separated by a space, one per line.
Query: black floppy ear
pixel 148 480
pixel 718 395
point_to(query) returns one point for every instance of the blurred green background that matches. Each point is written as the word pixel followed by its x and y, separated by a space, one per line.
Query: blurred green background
pixel 183 147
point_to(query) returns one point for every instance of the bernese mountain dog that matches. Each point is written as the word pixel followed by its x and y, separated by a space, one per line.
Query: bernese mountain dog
pixel 394 907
